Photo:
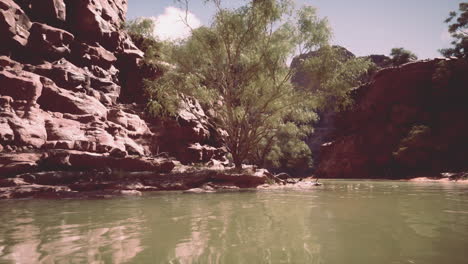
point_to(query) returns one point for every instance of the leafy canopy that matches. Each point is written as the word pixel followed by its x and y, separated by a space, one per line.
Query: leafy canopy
pixel 330 73
pixel 401 56
pixel 143 27
pixel 238 67
pixel 458 29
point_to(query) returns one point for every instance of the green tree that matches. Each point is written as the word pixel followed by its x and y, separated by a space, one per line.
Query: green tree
pixel 143 27
pixel 458 29
pixel 238 66
pixel 285 149
pixel 401 56
pixel 142 33
pixel 330 73
pixel 153 65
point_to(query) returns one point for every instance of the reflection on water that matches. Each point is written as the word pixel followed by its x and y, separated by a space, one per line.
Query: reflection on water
pixel 341 222
pixel 33 232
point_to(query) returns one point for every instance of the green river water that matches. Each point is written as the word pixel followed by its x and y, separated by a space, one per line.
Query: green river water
pixel 341 222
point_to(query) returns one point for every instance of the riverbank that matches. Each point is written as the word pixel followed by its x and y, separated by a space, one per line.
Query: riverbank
pixel 441 180
pixel 170 176
pixel 108 183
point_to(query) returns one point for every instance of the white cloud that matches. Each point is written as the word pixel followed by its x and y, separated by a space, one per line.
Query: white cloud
pixel 174 24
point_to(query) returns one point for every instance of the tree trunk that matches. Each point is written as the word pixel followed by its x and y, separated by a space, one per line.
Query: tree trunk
pixel 237 163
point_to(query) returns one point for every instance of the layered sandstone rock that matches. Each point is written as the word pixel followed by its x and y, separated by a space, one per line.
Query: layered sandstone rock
pixel 59 184
pixel 65 68
pixel 14 26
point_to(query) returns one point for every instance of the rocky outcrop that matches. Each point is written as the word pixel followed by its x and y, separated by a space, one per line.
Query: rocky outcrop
pixel 14 27
pixel 408 121
pixel 60 184
pixel 46 42
pixel 189 137
pixel 95 20
pixel 66 70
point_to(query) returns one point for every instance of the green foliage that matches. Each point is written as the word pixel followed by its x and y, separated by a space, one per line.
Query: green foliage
pixel 442 74
pixel 458 29
pixel 142 27
pixel 285 149
pixel 417 137
pixel 238 67
pixel 141 32
pixel 332 73
pixel 448 73
pixel 417 147
pixel 401 56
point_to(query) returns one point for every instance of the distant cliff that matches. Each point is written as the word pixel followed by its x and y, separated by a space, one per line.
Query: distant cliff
pixel 325 125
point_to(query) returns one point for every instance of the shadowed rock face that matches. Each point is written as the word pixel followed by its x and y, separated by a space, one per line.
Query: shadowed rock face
pixel 325 125
pixel 408 120
pixel 61 65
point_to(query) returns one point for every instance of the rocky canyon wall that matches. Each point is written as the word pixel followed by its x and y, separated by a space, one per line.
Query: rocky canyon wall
pixel 408 121
pixel 62 63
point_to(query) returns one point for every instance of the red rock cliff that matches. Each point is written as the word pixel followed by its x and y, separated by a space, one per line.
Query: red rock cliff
pixel 61 62
pixel 409 120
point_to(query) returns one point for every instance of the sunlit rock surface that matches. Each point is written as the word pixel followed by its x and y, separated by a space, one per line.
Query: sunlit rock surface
pixel 66 68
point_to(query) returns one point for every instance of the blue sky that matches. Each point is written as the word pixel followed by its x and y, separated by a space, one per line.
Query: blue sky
pixel 362 26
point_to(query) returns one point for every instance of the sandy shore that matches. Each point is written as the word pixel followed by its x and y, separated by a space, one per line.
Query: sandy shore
pixel 443 180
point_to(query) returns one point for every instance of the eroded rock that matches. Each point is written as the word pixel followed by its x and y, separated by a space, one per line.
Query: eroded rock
pixel 92 19
pixel 14 26
pixel 49 11
pixel 57 99
pixel 62 120
pixel 49 42
pixel 20 85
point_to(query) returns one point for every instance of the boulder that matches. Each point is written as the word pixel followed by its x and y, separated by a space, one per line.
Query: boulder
pixel 64 73
pixel 46 42
pixel 134 148
pixel 89 161
pixel 23 126
pixel 20 85
pixel 14 26
pixel 196 153
pixel 12 182
pixel 7 135
pixel 60 100
pixel 61 129
pixel 29 129
pixel 84 119
pixel 131 122
pixel 92 19
pixel 118 153
pixel 241 180
pixel 16 163
pixel 121 43
pixel 8 62
pixel 179 135
pixel 87 55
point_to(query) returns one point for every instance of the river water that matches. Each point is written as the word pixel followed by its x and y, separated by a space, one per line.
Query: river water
pixel 340 222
